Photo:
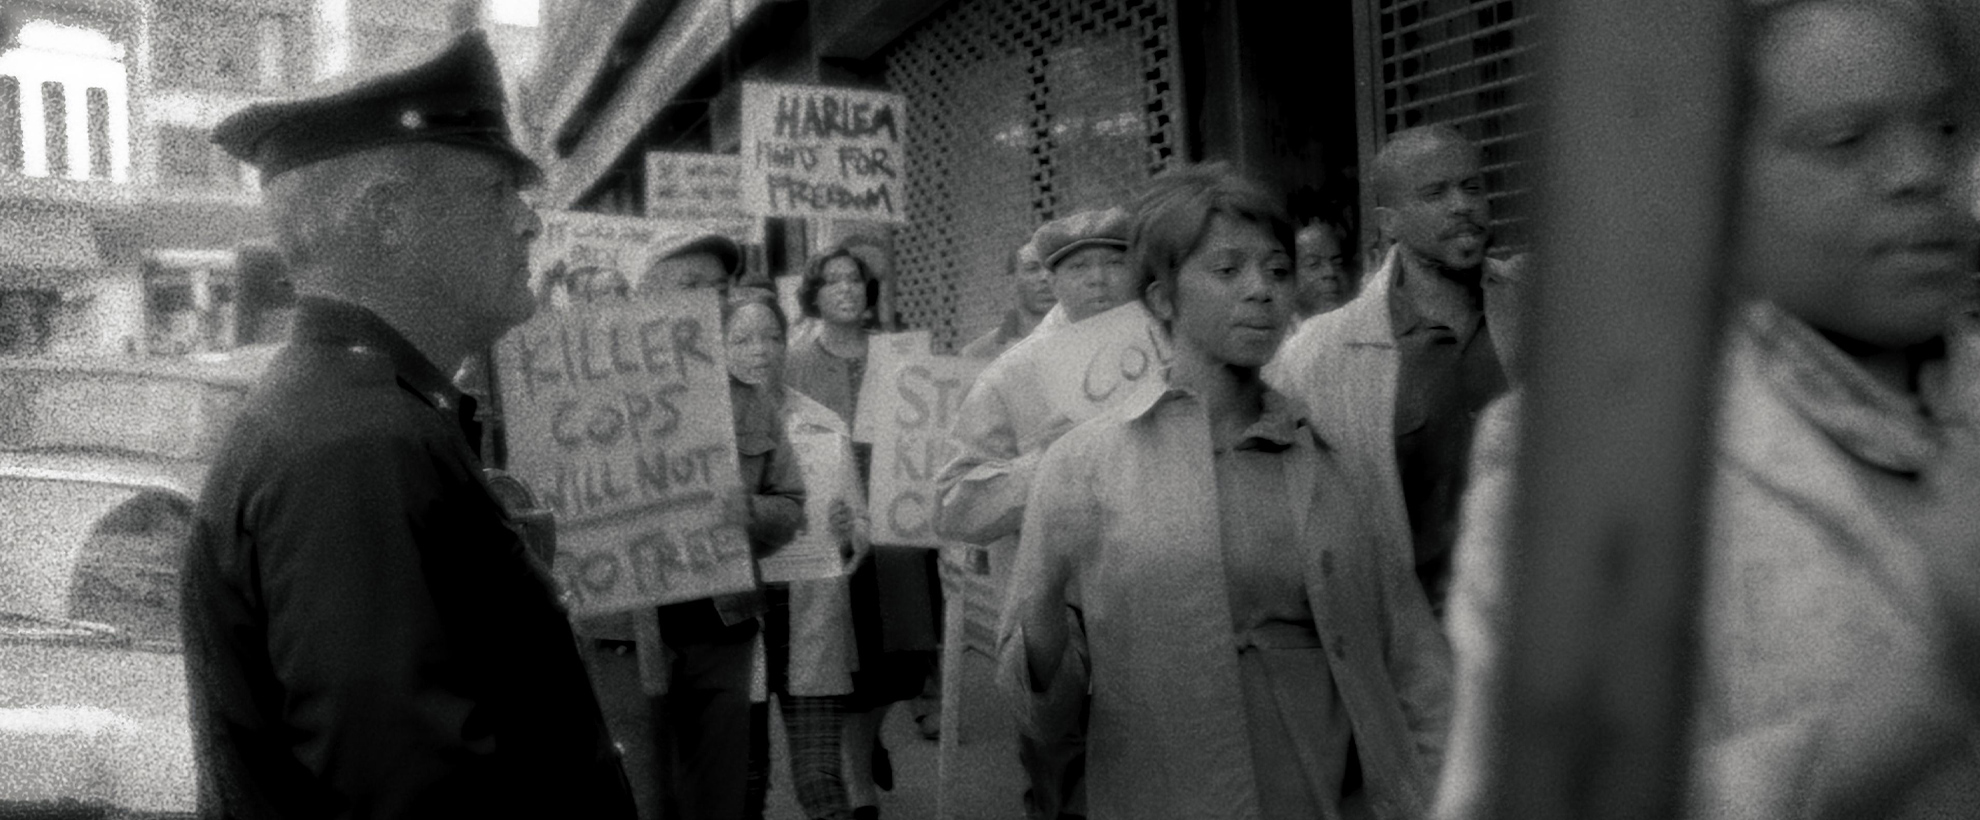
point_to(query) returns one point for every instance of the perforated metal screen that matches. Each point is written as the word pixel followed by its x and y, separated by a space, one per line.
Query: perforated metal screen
pixel 1467 63
pixel 1021 111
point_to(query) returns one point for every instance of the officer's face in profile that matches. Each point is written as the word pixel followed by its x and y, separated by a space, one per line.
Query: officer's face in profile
pixel 1852 204
pixel 473 234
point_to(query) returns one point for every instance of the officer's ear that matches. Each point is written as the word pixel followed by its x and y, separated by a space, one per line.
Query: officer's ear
pixel 387 213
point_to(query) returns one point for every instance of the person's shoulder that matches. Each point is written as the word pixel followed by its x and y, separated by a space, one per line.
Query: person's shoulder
pixel 987 346
pixel 315 401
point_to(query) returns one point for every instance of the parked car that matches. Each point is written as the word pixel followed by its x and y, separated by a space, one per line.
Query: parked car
pixel 100 463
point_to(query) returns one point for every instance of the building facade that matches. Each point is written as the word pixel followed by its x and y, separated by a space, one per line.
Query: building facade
pixel 123 229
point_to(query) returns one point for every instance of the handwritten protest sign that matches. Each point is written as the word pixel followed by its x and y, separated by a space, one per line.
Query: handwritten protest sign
pixel 817 151
pixel 582 258
pixel 618 418
pixel 911 417
pixel 690 185
pixel 1087 367
pixel 824 454
pixel 884 353
pixel 700 190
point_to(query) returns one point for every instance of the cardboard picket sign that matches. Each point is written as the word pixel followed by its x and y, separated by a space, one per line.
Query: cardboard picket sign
pixel 820 151
pixel 911 416
pixel 1087 367
pixel 885 353
pixel 824 454
pixel 618 419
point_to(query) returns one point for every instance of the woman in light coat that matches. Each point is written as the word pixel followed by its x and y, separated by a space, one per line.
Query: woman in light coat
pixel 807 630
pixel 1243 635
pixel 1844 506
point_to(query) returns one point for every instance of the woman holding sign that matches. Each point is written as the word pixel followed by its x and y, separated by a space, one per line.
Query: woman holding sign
pixel 807 631
pixel 1239 658
pixel 892 595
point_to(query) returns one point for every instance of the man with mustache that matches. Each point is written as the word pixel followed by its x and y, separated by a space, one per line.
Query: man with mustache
pixel 1396 378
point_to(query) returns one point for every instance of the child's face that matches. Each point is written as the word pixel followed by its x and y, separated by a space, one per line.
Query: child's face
pixel 1853 210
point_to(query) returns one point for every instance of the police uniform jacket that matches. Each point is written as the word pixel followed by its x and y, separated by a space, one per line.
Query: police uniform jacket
pixel 365 633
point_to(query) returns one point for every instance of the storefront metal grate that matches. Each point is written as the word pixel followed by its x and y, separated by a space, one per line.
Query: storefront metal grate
pixel 1467 63
pixel 1021 111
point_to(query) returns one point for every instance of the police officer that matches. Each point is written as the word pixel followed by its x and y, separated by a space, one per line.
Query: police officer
pixel 365 633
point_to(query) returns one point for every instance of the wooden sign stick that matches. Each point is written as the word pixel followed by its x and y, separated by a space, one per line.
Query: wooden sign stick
pixel 653 660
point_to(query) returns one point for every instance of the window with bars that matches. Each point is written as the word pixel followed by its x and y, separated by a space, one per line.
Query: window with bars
pixel 1467 63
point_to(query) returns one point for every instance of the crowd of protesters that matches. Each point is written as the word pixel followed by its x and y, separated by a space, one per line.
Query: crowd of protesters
pixel 1272 582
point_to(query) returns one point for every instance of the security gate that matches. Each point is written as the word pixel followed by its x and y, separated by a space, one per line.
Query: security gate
pixel 1021 111
pixel 1463 62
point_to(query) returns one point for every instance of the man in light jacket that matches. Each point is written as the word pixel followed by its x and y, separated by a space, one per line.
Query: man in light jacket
pixel 1397 377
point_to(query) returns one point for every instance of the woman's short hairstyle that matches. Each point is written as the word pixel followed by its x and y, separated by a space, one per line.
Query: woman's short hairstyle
pixel 742 297
pixel 1172 216
pixel 814 281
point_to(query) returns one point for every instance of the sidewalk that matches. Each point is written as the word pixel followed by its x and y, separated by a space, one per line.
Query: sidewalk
pixel 987 785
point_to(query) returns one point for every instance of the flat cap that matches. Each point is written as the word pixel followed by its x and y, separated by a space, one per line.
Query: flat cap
pixel 725 249
pixel 1059 238
pixel 453 97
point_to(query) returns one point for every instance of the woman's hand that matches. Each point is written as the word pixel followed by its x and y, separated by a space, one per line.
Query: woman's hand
pixel 738 509
pixel 841 520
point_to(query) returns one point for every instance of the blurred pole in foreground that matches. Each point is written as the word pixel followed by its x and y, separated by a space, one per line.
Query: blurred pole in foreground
pixel 1639 125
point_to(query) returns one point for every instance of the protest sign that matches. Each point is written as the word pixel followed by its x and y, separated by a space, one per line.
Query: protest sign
pixel 916 406
pixel 824 454
pixel 618 418
pixel 687 185
pixel 700 190
pixel 884 353
pixel 1089 366
pixel 581 258
pixel 826 152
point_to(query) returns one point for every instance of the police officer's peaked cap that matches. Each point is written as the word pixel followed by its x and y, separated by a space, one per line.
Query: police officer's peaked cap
pixel 453 97
pixel 1059 238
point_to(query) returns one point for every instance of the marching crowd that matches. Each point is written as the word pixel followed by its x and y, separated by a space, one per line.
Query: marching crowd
pixel 1271 582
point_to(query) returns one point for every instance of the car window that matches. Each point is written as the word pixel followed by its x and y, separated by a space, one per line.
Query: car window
pixel 128 573
pixel 91 551
pixel 40 539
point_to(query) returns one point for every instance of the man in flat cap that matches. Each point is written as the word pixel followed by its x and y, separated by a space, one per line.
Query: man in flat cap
pixel 1003 428
pixel 365 633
